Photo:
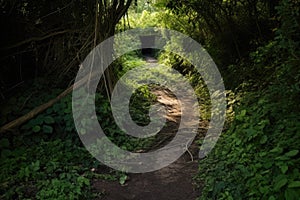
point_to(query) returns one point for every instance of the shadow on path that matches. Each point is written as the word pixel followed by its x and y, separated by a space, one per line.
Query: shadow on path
pixel 174 182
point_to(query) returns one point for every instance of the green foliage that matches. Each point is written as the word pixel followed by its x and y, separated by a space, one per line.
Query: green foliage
pixel 46 160
pixel 289 33
pixel 123 179
pixel 129 61
pixel 258 157
pixel 57 169
pixel 274 61
pixel 227 29
pixel 144 19
pixel 139 106
pixel 195 79
pixel 54 121
pixel 140 103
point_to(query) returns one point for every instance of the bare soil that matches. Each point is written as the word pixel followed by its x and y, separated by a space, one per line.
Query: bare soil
pixel 174 182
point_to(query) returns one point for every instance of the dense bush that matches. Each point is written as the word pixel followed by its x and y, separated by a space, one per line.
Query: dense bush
pixel 258 157
pixel 45 159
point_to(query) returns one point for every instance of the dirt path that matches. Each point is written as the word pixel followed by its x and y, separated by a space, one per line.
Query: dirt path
pixel 174 182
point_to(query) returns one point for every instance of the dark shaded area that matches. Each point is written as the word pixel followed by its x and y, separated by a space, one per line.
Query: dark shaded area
pixel 172 182
pixel 255 44
pixel 147 41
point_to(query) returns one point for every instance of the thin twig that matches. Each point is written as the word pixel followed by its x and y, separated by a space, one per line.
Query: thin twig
pixel 58 10
pixel 33 39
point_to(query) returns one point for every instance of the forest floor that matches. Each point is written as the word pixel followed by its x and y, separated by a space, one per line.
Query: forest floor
pixel 174 182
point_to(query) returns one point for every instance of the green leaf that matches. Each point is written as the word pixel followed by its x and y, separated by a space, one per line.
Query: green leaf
pixel 264 139
pixel 284 168
pixel 271 198
pixel 49 120
pixel 122 179
pixel 47 129
pixel 36 165
pixel 277 150
pixel 39 120
pixel 292 153
pixel 36 128
pixel 262 154
pixel 83 181
pixel 279 184
pixel 291 194
pixel 251 132
pixel 67 110
pixel 294 184
pixel 243 113
pixel 238 142
pixel 282 158
pixel 264 190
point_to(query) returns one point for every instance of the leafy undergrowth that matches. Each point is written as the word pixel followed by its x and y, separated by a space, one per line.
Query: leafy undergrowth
pixel 45 159
pixel 53 169
pixel 258 157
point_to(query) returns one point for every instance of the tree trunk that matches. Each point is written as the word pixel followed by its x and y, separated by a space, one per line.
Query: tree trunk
pixel 108 14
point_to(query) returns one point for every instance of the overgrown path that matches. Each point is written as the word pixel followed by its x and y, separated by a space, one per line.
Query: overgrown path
pixel 174 182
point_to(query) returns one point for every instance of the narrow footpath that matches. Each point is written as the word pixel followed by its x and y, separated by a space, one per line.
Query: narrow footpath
pixel 174 182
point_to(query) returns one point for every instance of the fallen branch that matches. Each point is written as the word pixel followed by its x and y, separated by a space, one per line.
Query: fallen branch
pixel 19 121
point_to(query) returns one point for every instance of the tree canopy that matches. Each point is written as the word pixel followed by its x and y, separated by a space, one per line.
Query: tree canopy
pixel 254 43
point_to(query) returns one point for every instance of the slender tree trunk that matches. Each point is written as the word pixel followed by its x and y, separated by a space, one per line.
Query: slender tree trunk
pixel 107 15
pixel 113 11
